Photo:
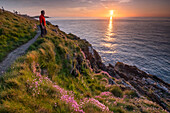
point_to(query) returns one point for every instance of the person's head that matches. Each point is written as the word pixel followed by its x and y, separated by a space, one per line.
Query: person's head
pixel 43 12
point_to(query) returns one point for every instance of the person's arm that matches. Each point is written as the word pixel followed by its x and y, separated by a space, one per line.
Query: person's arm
pixel 42 26
pixel 41 23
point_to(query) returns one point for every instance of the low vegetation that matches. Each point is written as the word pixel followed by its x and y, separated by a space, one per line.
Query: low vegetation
pixel 14 31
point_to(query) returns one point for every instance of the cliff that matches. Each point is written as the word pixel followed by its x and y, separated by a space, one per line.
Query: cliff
pixel 130 77
pixel 63 73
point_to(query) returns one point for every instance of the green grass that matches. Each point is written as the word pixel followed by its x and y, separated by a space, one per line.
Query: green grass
pixel 14 31
pixel 116 91
pixel 131 94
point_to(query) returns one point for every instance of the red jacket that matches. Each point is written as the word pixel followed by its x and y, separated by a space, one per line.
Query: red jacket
pixel 42 20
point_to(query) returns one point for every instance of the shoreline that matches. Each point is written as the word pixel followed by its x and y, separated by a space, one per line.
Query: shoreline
pixel 131 77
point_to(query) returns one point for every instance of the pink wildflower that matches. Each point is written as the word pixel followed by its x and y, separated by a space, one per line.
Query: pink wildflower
pixel 105 80
pixel 97 103
pixel 104 72
pixel 84 56
pixel 70 100
pixel 105 93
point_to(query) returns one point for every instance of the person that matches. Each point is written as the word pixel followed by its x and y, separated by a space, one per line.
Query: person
pixel 3 10
pixel 42 24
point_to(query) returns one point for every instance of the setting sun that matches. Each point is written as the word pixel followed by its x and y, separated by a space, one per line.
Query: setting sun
pixel 111 12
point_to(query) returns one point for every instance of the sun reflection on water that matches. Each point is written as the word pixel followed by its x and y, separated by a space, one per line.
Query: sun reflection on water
pixel 109 39
pixel 110 25
pixel 110 33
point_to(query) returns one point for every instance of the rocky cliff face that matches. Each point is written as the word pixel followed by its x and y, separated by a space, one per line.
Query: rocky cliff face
pixel 131 77
pixel 147 85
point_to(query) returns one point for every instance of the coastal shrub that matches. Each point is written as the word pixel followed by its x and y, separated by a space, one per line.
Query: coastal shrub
pixel 104 80
pixel 0 31
pixel 12 83
pixel 116 110
pixel 98 76
pixel 85 71
pixel 2 55
pixel 130 93
pixel 37 44
pixel 116 91
pixel 90 108
pixel 3 38
pixel 130 107
pixel 88 94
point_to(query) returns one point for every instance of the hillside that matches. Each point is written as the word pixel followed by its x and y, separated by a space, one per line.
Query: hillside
pixel 63 73
pixel 15 30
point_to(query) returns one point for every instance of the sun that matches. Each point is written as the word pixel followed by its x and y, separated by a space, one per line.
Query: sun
pixel 111 12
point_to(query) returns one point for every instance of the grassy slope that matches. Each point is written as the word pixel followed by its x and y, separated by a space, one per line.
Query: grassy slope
pixel 14 31
pixel 40 81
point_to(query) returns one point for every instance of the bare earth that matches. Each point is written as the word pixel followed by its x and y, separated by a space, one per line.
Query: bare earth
pixel 5 64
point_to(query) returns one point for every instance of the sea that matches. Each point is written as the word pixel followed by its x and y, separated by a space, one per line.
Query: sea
pixel 142 42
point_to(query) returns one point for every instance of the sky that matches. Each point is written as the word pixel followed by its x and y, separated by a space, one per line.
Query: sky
pixel 90 8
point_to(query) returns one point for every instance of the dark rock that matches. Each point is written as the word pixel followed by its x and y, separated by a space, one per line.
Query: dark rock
pixel 159 80
pixel 146 84
pixel 56 26
pixel 48 23
pixel 74 72
pixel 76 38
pixel 150 81
pixel 79 59
pixel 93 57
pixel 111 66
pixel 99 61
pixel 111 81
pixel 84 40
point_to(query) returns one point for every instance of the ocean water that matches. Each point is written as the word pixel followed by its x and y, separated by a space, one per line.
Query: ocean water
pixel 143 42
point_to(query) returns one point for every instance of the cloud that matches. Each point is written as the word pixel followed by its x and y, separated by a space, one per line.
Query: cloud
pixel 124 1
pixel 84 6
pixel 111 3
pixel 116 1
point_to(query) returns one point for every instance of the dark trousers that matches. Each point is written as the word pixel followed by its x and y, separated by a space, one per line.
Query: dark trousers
pixel 43 31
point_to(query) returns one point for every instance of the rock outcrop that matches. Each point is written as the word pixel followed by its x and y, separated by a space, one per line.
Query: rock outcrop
pixel 93 56
pixel 148 85
pixel 144 84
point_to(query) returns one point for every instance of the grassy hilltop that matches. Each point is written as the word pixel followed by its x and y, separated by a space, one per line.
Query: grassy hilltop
pixel 15 30
pixel 55 76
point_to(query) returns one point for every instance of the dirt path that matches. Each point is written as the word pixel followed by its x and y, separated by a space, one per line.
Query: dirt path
pixel 5 64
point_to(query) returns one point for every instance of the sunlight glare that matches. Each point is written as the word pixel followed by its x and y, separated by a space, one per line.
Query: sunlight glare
pixel 111 12
pixel 109 31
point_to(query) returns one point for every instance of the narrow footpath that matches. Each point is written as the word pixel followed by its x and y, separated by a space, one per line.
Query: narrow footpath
pixel 6 63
